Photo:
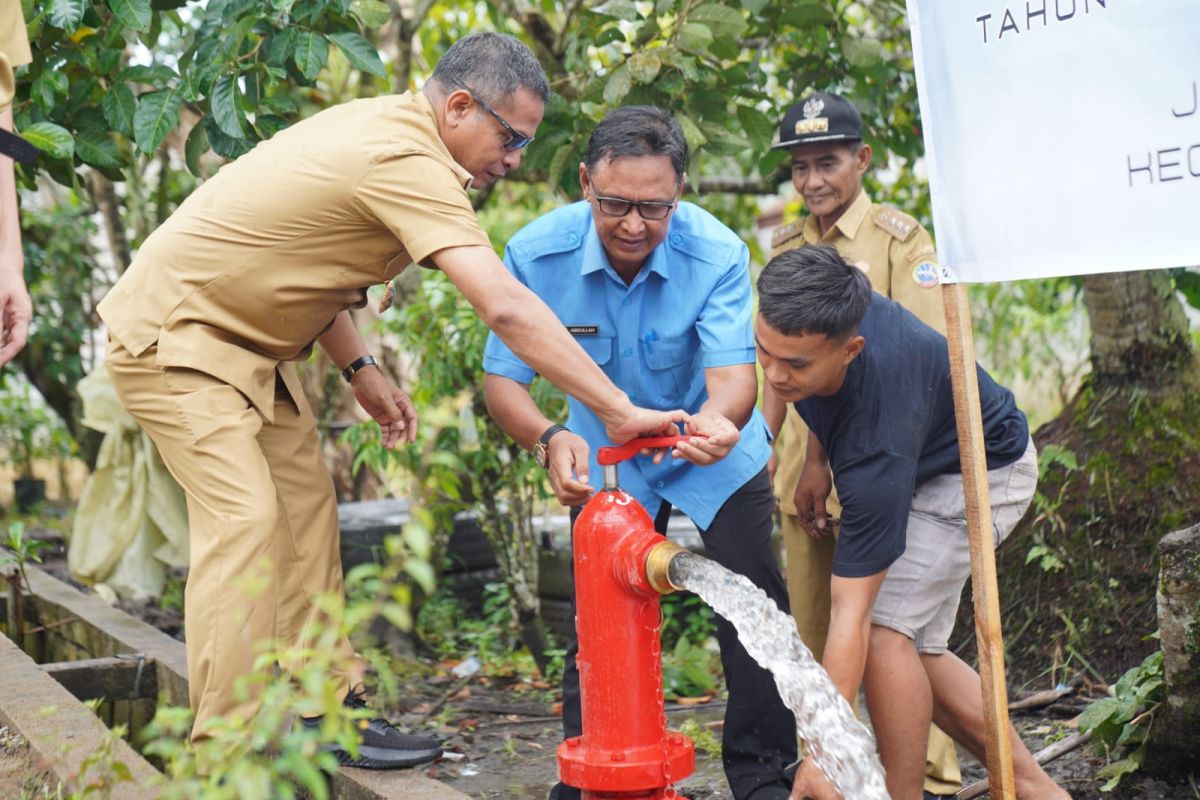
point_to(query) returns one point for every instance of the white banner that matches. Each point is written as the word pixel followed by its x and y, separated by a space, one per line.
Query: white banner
pixel 1062 136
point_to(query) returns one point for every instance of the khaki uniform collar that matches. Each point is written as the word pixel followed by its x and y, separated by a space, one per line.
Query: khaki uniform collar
pixel 847 224
pixel 425 108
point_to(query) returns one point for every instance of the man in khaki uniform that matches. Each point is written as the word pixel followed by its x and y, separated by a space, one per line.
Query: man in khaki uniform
pixel 15 307
pixel 823 132
pixel 262 261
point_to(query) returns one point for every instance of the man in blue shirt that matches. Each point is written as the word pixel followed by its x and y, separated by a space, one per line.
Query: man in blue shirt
pixel 872 382
pixel 658 294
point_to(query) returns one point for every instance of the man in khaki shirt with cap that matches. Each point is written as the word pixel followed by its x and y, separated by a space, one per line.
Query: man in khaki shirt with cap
pixel 15 307
pixel 823 133
pixel 262 261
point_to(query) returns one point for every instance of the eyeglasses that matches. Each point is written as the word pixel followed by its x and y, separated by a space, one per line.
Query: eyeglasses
pixel 516 140
pixel 654 210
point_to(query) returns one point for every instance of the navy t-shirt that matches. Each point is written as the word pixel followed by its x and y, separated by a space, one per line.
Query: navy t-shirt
pixel 891 427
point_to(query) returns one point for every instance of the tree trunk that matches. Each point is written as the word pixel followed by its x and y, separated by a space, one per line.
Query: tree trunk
pixel 1175 737
pixel 1138 327
pixel 105 198
pixel 1120 467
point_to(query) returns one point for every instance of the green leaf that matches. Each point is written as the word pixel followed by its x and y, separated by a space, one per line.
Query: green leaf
pixel 119 106
pixel 691 132
pixel 398 615
pixel 618 9
pixel 312 51
pixel 755 6
pixel 646 32
pixel 371 13
pixel 281 47
pixel 359 52
pixel 226 107
pixel 134 14
pixel 862 53
pixel 1097 712
pixel 269 124
pixel 618 85
pixel 223 144
pixel 725 47
pixel 157 115
pixel 66 14
pixel 197 146
pixel 53 140
pixel 96 147
pixel 48 85
pixel 611 34
pixel 806 13
pixel 157 74
pixel 1119 769
pixel 421 572
pixel 695 37
pixel 644 66
pixel 722 20
pixel 759 128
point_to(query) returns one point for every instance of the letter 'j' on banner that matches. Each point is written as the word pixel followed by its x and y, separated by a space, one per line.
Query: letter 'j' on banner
pixel 1062 136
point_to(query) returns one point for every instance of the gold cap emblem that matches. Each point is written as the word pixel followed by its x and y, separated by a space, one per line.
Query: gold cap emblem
pixel 813 122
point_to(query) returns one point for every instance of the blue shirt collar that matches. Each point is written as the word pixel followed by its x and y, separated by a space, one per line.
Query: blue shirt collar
pixel 593 258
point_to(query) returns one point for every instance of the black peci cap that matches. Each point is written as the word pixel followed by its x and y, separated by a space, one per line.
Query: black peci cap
pixel 819 117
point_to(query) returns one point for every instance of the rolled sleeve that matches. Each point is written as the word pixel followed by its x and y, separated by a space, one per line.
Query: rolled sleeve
pixel 418 198
pixel 724 326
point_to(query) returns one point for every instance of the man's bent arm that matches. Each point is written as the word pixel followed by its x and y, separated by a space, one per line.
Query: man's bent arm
pixel 773 409
pixel 732 391
pixel 514 410
pixel 849 630
pixel 342 341
pixel 15 306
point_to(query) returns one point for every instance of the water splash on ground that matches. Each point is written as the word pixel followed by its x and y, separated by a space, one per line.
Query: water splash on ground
pixel 837 742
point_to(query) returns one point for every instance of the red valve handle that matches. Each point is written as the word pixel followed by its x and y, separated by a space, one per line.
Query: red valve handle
pixel 606 456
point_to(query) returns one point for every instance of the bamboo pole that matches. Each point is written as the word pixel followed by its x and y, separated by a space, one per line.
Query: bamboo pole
pixel 984 589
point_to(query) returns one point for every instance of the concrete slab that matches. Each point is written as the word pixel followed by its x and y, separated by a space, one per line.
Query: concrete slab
pixel 66 735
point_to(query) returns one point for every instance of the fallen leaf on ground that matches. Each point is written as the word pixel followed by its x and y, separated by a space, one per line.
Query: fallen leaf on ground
pixel 693 701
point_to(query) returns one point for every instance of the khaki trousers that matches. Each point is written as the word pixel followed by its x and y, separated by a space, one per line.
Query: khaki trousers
pixel 809 567
pixel 262 521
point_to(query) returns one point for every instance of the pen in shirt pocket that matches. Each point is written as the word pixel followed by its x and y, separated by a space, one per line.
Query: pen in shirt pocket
pixel 651 337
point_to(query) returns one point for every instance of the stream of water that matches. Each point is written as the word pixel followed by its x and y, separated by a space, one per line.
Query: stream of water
pixel 837 742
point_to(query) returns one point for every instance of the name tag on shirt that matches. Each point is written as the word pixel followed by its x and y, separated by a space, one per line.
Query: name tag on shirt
pixel 583 330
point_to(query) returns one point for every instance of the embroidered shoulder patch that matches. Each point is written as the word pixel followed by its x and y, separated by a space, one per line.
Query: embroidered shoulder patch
pixel 927 274
pixel 896 223
pixel 786 233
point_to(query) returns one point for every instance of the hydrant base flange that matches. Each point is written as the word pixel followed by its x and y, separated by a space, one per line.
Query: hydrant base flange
pixel 626 771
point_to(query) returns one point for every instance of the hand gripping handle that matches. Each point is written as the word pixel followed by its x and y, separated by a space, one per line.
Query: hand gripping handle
pixel 607 456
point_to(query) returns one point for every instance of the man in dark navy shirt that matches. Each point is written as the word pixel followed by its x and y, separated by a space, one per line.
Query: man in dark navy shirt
pixel 872 382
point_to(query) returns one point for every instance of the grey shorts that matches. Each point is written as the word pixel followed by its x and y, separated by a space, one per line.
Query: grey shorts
pixel 919 596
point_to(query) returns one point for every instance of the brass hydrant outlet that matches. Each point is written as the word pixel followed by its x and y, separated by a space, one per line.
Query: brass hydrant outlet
pixel 658 563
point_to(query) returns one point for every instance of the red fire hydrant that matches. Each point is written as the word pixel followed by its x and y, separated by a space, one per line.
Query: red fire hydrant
pixel 621 563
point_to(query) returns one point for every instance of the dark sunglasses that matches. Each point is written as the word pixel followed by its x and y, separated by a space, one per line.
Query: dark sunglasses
pixel 516 140
pixel 653 210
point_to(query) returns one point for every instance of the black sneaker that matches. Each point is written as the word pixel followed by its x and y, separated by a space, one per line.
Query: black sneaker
pixel 382 746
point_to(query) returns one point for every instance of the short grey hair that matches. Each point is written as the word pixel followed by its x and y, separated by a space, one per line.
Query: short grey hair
pixel 493 65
